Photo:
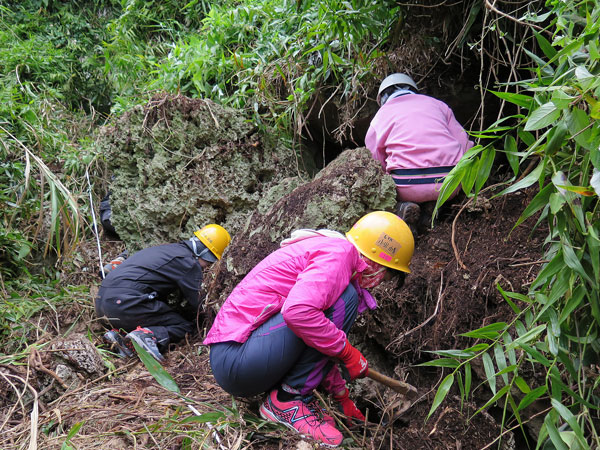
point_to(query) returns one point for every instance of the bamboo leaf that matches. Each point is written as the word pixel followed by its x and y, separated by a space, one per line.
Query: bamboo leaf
pixel 500 362
pixel 522 100
pixel 441 362
pixel 487 332
pixel 467 380
pixel 527 181
pixel 522 385
pixel 529 336
pixel 537 356
pixel 531 397
pixel 490 371
pixel 543 116
pixel 546 47
pixel 554 434
pixel 156 370
pixel 485 166
pixel 441 393
pixel 494 399
pixel 510 148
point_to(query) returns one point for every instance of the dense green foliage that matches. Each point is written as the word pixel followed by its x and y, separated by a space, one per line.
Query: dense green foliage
pixel 65 66
pixel 558 323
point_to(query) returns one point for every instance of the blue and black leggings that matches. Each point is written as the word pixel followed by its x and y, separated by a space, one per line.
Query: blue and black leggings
pixel 274 355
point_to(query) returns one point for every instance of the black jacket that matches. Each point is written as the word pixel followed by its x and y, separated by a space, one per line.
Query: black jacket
pixel 163 269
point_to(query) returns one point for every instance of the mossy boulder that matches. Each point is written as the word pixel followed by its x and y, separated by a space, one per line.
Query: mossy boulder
pixel 349 187
pixel 180 163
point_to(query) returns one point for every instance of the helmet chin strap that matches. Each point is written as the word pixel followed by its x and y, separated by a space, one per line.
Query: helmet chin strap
pixel 200 250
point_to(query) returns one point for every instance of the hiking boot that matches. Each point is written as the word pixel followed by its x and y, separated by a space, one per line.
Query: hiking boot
pixel 117 344
pixel 297 416
pixel 409 212
pixel 145 339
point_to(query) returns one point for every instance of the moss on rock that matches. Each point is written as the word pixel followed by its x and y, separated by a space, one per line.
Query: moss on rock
pixel 180 163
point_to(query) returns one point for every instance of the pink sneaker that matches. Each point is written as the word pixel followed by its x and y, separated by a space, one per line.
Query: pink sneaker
pixel 319 411
pixel 297 416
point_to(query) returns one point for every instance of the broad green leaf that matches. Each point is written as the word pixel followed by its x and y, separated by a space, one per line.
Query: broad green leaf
pixel 556 139
pixel 156 370
pixel 578 124
pixel 490 371
pixel 585 78
pixel 552 341
pixel 469 175
pixel 441 393
pixel 522 100
pixel 481 347
pixel 593 49
pixel 543 116
pixel 531 397
pixel 74 430
pixel 546 47
pixel 561 99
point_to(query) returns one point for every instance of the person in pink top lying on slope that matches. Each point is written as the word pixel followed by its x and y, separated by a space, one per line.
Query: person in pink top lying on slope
pixel 283 329
pixel 417 140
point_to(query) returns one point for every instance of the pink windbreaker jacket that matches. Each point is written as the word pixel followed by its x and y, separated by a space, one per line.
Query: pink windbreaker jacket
pixel 416 131
pixel 301 280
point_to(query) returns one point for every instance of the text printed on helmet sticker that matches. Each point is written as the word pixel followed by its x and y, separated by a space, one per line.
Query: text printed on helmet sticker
pixel 388 244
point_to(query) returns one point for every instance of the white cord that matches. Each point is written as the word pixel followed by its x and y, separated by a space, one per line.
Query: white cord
pixel 87 175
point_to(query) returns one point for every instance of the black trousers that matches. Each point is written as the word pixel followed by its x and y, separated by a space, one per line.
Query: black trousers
pixel 128 310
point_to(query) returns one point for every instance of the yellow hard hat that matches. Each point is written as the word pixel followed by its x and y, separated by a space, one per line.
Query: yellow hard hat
pixel 385 238
pixel 215 237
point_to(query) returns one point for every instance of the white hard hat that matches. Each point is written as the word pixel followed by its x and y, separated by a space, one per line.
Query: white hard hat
pixel 394 79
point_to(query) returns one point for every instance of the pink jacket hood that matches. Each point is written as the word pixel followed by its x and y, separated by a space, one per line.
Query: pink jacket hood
pixel 302 280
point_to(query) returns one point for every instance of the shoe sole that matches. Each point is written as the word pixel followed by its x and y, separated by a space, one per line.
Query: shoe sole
pixel 266 414
pixel 141 344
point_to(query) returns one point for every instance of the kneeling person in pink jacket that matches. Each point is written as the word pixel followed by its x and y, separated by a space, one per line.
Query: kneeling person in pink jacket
pixel 283 330
pixel 417 140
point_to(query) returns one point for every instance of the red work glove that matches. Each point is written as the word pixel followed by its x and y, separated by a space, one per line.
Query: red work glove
pixel 355 363
pixel 348 408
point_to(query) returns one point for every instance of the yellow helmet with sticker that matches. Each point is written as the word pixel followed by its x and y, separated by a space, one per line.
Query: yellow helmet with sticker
pixel 385 238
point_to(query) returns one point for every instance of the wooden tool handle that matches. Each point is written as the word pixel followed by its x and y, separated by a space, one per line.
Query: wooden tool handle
pixel 398 386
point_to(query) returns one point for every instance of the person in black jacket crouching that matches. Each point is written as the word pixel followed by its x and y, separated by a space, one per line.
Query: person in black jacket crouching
pixel 133 296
